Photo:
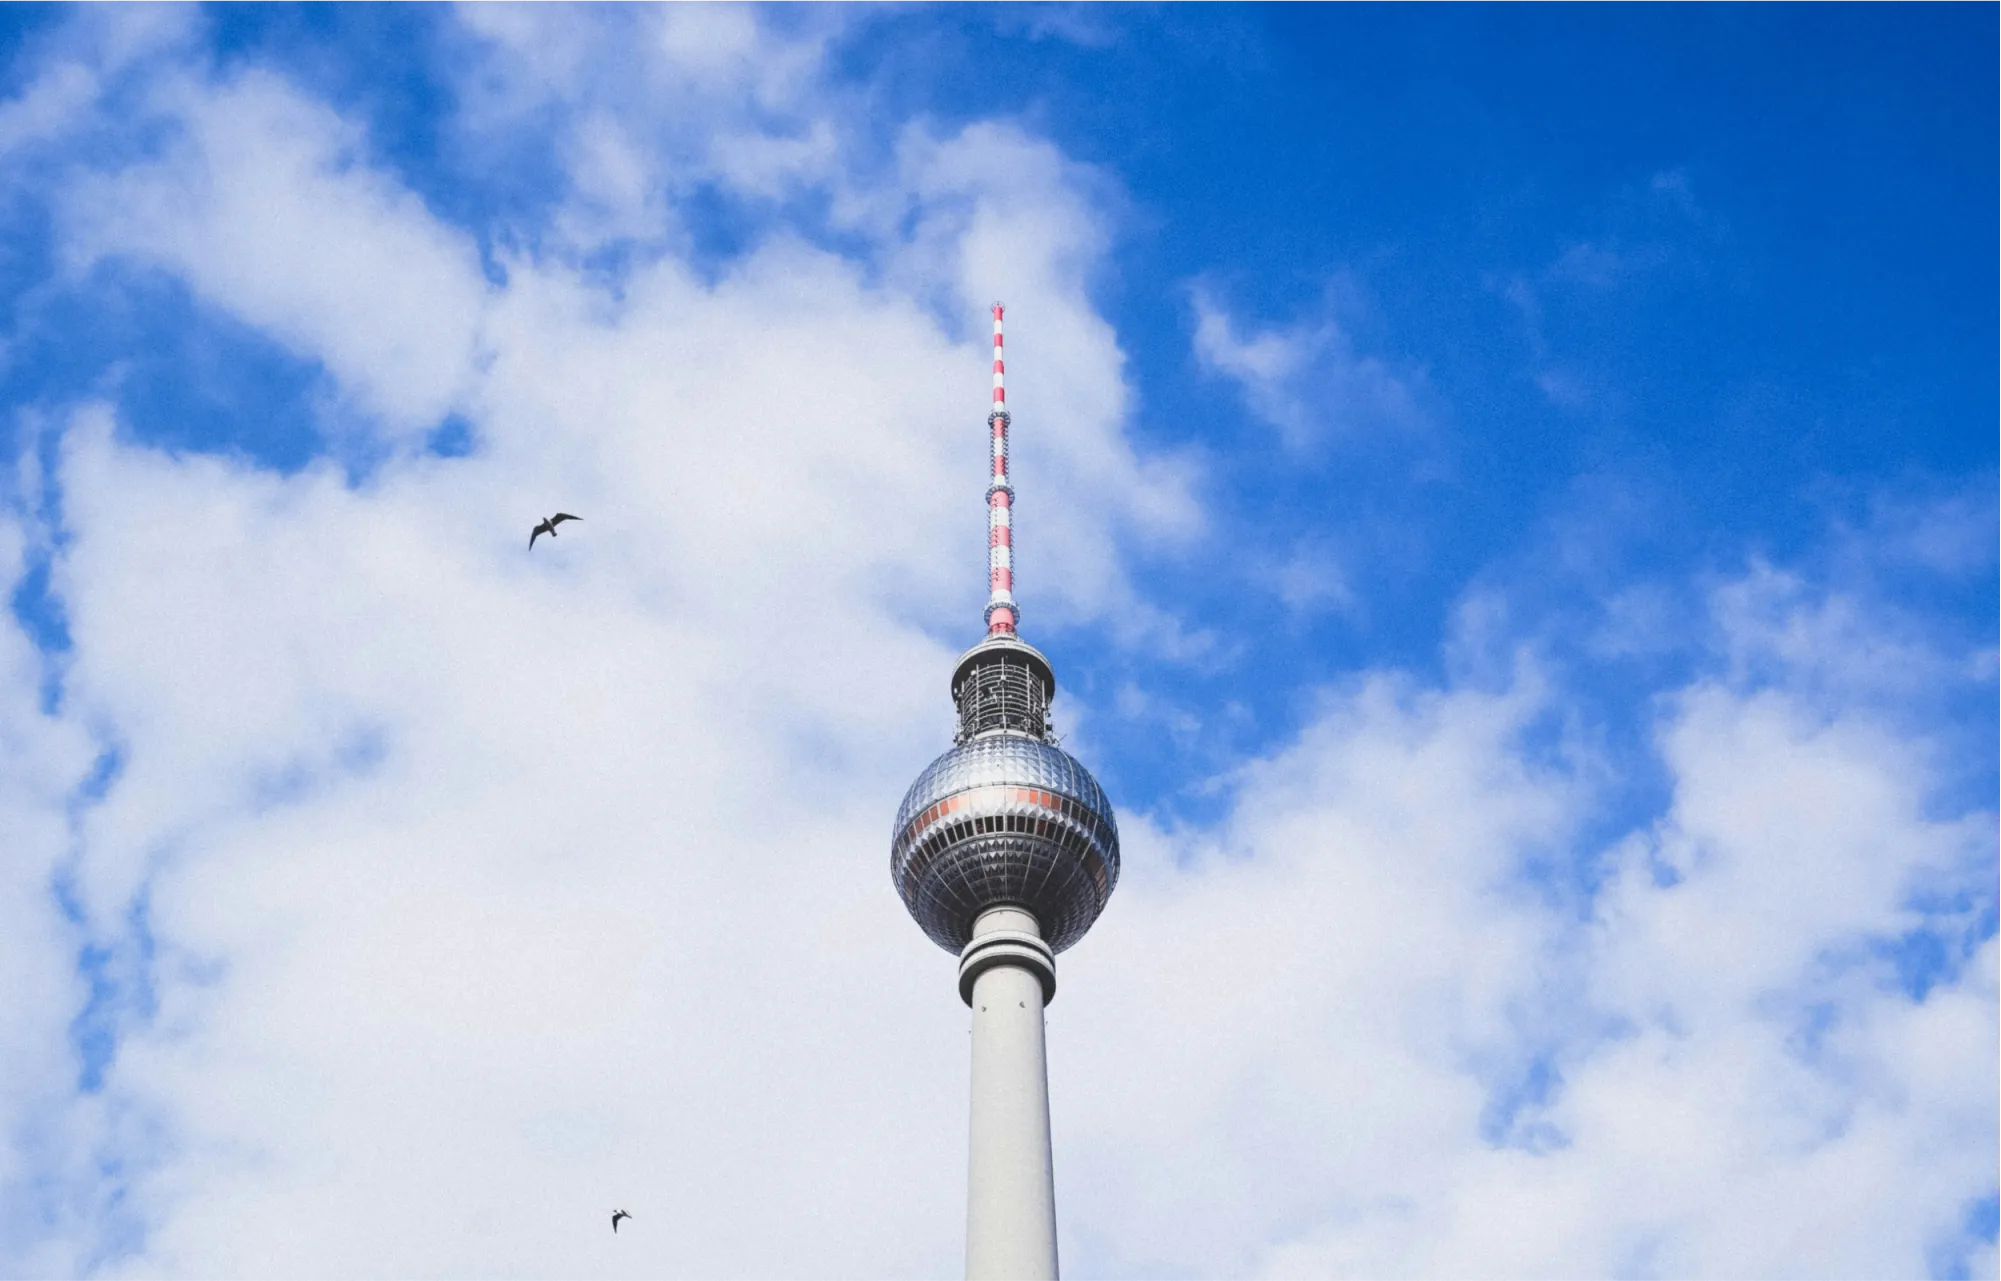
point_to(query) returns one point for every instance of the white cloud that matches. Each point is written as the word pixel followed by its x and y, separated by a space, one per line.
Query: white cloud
pixel 605 861
pixel 713 44
pixel 266 206
pixel 42 758
pixel 1776 624
pixel 482 890
pixel 1948 534
pixel 1313 579
pixel 643 106
pixel 1307 380
pixel 1314 1030
pixel 47 108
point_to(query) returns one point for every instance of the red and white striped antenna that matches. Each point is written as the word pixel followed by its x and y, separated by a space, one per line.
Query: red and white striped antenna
pixel 1002 612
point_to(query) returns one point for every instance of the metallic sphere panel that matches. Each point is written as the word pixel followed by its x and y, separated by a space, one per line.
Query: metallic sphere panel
pixel 1005 819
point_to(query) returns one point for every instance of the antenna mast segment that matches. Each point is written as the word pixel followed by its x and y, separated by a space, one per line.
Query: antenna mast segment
pixel 1002 613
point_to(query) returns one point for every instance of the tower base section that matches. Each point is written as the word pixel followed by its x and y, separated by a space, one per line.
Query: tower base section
pixel 1006 974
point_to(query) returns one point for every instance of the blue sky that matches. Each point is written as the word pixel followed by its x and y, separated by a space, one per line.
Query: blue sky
pixel 1508 491
pixel 1746 240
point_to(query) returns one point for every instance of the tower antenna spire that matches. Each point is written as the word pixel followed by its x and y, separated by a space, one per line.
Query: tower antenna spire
pixel 1002 612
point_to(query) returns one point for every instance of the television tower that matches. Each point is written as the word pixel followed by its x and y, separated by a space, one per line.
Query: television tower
pixel 1005 851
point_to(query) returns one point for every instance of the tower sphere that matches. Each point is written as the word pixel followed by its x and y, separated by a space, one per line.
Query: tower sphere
pixel 1006 818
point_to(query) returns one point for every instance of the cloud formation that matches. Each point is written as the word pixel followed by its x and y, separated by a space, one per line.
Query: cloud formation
pixel 388 900
pixel 1306 379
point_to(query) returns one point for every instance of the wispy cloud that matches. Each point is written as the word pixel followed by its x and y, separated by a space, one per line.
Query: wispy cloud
pixel 265 205
pixel 1305 379
pixel 1648 235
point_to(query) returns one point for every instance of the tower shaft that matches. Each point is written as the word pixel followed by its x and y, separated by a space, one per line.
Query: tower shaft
pixel 1011 1185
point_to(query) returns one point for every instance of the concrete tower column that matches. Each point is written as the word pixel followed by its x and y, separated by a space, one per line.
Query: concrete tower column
pixel 1007 974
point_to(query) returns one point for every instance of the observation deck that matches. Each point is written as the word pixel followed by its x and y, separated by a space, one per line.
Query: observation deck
pixel 1006 818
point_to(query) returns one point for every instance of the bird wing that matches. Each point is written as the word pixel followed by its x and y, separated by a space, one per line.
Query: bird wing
pixel 539 531
pixel 558 519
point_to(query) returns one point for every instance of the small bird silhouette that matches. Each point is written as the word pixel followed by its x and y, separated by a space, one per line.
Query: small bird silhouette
pixel 616 1215
pixel 549 526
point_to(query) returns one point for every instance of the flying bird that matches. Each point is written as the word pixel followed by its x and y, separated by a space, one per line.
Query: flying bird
pixel 549 526
pixel 616 1215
